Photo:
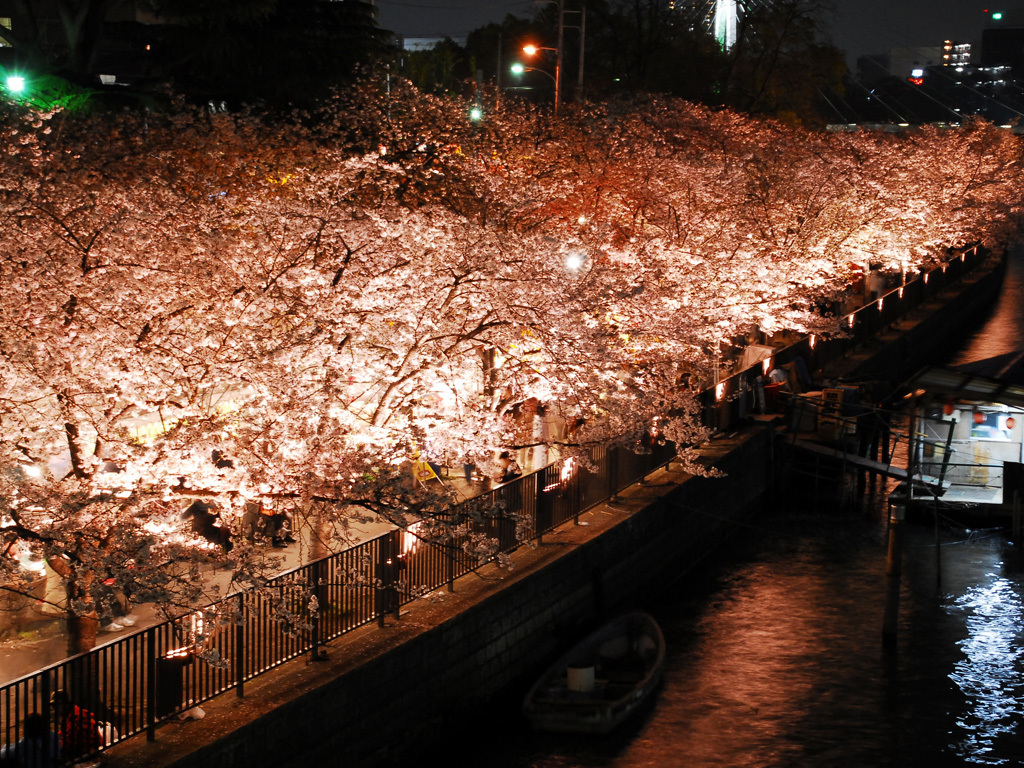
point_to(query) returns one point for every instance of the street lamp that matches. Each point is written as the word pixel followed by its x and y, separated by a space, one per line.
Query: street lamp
pixel 15 83
pixel 531 50
pixel 518 69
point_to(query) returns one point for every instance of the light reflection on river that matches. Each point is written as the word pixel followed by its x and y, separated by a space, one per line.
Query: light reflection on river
pixel 776 658
pixel 1004 331
pixel 776 655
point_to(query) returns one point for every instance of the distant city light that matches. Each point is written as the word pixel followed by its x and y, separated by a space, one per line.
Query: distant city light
pixel 476 113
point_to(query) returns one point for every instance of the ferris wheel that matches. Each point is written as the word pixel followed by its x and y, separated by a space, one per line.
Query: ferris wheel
pixel 721 17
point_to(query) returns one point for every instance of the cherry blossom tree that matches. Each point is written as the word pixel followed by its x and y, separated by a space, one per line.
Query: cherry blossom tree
pixel 216 307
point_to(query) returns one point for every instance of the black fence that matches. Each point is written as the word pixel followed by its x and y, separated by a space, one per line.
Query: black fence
pixel 727 404
pixel 131 685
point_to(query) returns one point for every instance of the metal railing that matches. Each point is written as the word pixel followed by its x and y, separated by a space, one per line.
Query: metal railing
pixel 138 681
pixel 134 683
pixel 726 403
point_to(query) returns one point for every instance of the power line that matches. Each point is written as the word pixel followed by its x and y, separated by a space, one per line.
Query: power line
pixel 457 7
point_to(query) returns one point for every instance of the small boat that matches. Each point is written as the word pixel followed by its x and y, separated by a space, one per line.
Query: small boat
pixel 601 680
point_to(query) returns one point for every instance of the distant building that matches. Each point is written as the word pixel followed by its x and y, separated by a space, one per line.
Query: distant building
pixel 1003 46
pixel 956 54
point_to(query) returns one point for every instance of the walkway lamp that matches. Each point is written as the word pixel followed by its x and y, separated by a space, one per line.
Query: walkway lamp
pixel 519 68
pixel 15 84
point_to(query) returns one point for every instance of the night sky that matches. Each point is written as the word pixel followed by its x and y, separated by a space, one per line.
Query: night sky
pixel 857 26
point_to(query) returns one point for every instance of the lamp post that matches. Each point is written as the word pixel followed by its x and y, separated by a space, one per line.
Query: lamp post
pixel 531 50
pixel 518 69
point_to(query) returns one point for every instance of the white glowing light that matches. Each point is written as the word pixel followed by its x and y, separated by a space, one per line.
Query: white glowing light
pixel 568 468
pixel 410 539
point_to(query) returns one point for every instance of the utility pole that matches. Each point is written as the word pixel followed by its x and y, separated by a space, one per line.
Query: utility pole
pixel 497 84
pixel 558 55
pixel 583 41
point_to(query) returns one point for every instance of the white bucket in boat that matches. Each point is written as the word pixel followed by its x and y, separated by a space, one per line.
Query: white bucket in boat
pixel 580 678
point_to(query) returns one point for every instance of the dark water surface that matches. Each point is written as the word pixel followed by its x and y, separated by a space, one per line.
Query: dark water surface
pixel 776 658
pixel 776 655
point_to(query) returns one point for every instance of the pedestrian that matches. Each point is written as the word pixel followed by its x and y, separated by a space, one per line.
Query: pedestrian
pixel 80 733
pixel 38 748
pixel 876 282
pixel 509 470
pixel 207 523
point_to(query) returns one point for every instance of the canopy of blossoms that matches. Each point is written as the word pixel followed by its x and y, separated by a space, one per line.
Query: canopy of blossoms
pixel 319 301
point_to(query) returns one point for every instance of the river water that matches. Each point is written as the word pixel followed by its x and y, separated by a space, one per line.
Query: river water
pixel 775 652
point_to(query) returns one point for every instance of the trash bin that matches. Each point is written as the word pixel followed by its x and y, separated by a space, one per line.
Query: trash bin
pixel 170 683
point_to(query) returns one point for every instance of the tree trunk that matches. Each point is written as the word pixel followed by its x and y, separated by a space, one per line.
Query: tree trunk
pixel 83 623
pixel 82 632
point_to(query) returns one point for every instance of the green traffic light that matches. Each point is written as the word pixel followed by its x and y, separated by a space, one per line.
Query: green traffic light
pixel 997 16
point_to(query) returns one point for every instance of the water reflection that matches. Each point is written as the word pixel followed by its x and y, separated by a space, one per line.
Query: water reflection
pixel 990 673
pixel 1004 331
pixel 775 658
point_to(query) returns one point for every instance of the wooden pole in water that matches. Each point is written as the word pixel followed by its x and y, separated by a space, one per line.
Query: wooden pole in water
pixel 938 545
pixel 894 561
pixel 1016 518
pixel 893 572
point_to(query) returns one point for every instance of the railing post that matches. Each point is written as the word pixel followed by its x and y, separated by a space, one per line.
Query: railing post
pixel 613 466
pixel 46 691
pixel 151 684
pixel 577 493
pixel 240 649
pixel 387 576
pixel 450 553
pixel 316 576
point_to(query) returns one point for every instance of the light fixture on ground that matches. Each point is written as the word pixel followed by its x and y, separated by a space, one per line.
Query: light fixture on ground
pixel 15 83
